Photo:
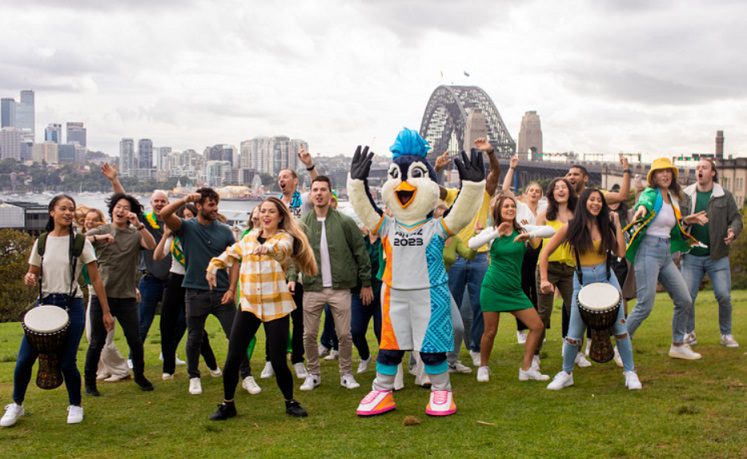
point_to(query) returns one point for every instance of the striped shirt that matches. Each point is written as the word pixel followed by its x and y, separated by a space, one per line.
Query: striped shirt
pixel 264 290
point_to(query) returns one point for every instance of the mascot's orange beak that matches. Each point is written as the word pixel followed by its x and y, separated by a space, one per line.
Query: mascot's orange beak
pixel 405 194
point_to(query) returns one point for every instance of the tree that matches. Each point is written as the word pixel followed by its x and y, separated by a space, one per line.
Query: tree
pixel 738 259
pixel 15 296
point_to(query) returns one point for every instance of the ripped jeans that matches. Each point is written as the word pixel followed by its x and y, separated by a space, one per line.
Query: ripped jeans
pixel 577 326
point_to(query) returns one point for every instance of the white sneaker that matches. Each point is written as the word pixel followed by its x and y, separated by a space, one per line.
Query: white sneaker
pixel 300 370
pixel 618 359
pixel 521 336
pixel 167 377
pixel 74 414
pixel 683 352
pixel 251 385
pixel 129 364
pixel 399 378
pixel 311 382
pixel 349 382
pixel 535 363
pixel 322 350
pixel 363 365
pixel 729 341
pixel 582 361
pixel 333 355
pixel 483 374
pixel 195 386
pixel 532 375
pixel 215 373
pixel 178 361
pixel 475 358
pixel 561 381
pixel 690 338
pixel 12 413
pixel 459 367
pixel 631 380
pixel 267 371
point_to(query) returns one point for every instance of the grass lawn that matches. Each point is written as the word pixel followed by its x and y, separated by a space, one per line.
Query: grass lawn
pixel 686 409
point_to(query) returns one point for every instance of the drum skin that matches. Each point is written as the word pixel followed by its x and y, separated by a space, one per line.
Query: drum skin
pixel 598 304
pixel 46 329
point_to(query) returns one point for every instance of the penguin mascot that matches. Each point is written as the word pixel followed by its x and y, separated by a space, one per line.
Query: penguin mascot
pixel 415 305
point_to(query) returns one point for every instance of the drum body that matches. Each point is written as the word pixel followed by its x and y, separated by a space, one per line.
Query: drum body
pixel 46 329
pixel 598 304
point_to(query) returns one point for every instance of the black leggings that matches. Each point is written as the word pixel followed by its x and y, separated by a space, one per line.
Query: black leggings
pixel 173 325
pixel 297 321
pixel 245 326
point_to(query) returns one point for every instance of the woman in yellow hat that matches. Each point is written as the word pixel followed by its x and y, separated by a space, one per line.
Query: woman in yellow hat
pixel 658 231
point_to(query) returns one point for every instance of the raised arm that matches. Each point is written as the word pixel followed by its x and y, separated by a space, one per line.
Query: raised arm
pixel 622 195
pixel 164 245
pixel 509 178
pixel 491 184
pixel 360 195
pixel 484 237
pixel 305 157
pixel 472 174
pixel 168 213
pixel 110 172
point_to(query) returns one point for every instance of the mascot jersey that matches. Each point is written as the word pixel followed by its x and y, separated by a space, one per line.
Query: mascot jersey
pixel 416 312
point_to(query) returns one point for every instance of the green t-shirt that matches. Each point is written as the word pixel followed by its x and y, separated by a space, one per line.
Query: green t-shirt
pixel 118 261
pixel 701 233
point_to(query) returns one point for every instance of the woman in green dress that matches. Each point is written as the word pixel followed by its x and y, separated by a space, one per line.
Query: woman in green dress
pixel 501 288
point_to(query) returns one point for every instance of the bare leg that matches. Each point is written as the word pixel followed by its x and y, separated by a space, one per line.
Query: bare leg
pixel 488 336
pixel 536 329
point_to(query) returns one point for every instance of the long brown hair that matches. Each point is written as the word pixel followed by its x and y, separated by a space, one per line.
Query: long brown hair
pixel 552 204
pixel 303 255
pixel 496 211
pixel 674 188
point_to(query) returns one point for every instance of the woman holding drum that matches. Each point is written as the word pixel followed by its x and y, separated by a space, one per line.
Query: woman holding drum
pixel 57 271
pixel 591 235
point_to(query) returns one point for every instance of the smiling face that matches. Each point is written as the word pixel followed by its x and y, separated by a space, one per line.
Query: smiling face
pixel 270 217
pixel 92 220
pixel 577 178
pixel 410 190
pixel 594 204
pixel 158 201
pixel 120 212
pixel 705 172
pixel 208 209
pixel 560 192
pixel 508 210
pixel 63 213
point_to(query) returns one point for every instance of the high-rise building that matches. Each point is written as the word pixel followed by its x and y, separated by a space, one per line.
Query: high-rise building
pixel 161 154
pixel 53 133
pixel 10 143
pixel 45 152
pixel 217 173
pixel 145 154
pixel 76 133
pixel 126 157
pixel 25 114
pixel 530 137
pixel 7 112
pixel 270 155
pixel 66 153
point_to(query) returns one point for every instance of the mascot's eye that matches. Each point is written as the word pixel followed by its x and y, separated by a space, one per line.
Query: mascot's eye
pixel 416 173
pixel 417 170
pixel 394 171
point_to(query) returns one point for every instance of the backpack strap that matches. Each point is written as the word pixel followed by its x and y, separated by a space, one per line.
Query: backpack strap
pixel 80 241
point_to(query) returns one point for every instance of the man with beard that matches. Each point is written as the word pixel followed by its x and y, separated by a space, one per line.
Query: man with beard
pixel 154 273
pixel 202 239
pixel 578 175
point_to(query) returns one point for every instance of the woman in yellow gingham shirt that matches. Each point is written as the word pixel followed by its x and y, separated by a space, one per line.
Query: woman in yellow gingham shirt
pixel 264 254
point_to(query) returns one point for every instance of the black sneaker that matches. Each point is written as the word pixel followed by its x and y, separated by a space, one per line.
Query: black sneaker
pixel 225 410
pixel 92 391
pixel 293 408
pixel 144 384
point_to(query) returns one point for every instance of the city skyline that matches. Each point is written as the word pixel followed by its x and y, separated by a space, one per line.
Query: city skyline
pixel 655 77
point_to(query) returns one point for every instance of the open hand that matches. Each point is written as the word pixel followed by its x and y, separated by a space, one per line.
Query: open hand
pixel 305 157
pixel 700 218
pixel 442 161
pixel 522 237
pixel 471 169
pixel 514 161
pixel 505 228
pixel 361 164
pixel 109 171
pixel 640 213
pixel 482 144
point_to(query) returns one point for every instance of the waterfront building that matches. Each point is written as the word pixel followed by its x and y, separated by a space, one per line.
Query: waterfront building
pixel 53 133
pixel 76 133
pixel 10 143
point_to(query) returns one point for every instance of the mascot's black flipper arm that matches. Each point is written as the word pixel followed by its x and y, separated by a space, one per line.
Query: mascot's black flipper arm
pixel 468 202
pixel 360 167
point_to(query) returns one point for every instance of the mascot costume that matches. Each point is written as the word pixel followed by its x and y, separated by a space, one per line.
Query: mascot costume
pixel 415 305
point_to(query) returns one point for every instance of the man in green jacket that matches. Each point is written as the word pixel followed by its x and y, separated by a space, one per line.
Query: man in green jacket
pixel 343 262
pixel 723 227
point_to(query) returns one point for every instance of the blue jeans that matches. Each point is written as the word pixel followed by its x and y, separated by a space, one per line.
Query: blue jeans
pixel 68 363
pixel 151 292
pixel 576 325
pixel 468 274
pixel 360 317
pixel 654 262
pixel 694 268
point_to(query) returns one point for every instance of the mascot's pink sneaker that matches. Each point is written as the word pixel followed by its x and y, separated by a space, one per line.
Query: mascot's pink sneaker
pixel 376 402
pixel 441 403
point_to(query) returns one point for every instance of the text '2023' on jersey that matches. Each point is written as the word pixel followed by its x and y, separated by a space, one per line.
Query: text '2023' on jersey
pixel 410 267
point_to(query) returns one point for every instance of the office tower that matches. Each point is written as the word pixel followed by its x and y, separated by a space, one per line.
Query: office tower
pixel 66 153
pixel 7 112
pixel 530 137
pixel 162 154
pixel 76 133
pixel 45 152
pixel 10 143
pixel 126 157
pixel 25 115
pixel 53 133
pixel 145 154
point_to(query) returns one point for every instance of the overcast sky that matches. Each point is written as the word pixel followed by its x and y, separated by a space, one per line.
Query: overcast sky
pixel 658 77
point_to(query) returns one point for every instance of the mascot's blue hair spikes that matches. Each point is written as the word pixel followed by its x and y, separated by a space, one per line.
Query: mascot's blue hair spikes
pixel 409 142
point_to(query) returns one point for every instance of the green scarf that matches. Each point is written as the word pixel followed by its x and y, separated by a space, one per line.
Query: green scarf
pixel 150 217
pixel 176 251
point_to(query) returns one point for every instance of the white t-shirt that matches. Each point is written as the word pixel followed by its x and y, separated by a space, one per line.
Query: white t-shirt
pixel 524 215
pixel 324 255
pixel 663 222
pixel 176 267
pixel 56 269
